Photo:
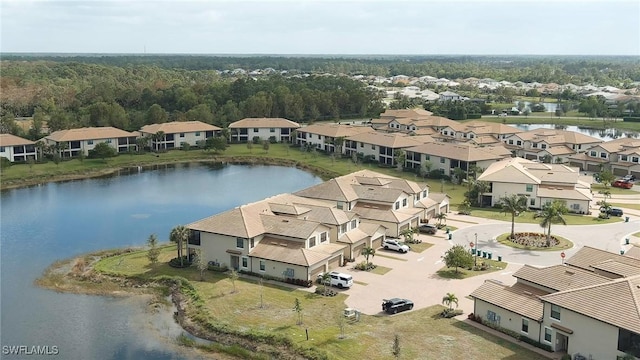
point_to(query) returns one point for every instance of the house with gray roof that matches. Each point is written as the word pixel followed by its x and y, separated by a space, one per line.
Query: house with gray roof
pixel 587 306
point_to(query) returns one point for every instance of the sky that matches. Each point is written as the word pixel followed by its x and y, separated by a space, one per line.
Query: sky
pixel 394 27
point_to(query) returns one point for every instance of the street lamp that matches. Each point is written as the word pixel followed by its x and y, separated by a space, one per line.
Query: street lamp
pixel 475 258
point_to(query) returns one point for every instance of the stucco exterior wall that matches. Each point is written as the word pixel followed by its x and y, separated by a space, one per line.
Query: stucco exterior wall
pixel 508 320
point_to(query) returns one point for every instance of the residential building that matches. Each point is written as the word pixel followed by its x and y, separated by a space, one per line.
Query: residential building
pixel 73 142
pixel 17 149
pixel 549 145
pixel 451 96
pixel 540 183
pixel 445 157
pixel 394 203
pixel 177 133
pixel 414 124
pixel 276 129
pixel 474 129
pixel 587 306
pixel 382 147
pixel 388 115
pixel 322 136
pixel 621 155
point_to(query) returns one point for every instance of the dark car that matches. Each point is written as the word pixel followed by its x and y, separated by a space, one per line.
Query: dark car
pixel 396 305
pixel 428 229
pixel 615 212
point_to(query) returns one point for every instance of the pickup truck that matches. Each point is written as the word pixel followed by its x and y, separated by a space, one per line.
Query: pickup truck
pixel 394 244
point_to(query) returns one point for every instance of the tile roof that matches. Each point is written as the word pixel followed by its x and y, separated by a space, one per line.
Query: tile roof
pixel 12 140
pixel 290 227
pixel 564 193
pixel 377 193
pixel 296 256
pixel 353 236
pixel 179 127
pixel 464 152
pixel 88 133
pixel 484 127
pixel 598 301
pixel 263 123
pixel 588 256
pixel 335 130
pixel 552 136
pixel 518 298
pixel 405 113
pixel 288 209
pixel 559 277
pixel 390 140
pixel 328 215
pixel 385 213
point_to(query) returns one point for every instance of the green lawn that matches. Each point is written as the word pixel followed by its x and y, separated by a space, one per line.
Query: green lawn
pixel 269 308
pixel 563 243
pixel 599 188
pixel 628 206
pixel 527 217
pixel 460 273
pixel 420 247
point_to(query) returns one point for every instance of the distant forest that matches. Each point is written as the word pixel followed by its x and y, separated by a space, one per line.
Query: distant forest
pixel 129 91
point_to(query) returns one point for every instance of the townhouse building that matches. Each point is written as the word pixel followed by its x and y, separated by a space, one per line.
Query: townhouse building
pixel 17 149
pixel 549 145
pixel 274 129
pixel 621 155
pixel 178 133
pixel 322 136
pixel 382 147
pixel 73 142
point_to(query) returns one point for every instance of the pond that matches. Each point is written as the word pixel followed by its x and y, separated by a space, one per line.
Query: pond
pixel 602 134
pixel 55 221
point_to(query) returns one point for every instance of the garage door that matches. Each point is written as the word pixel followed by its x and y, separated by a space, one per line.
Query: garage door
pixel 403 227
pixel 315 272
pixel 619 172
pixel 334 263
pixel 530 157
pixel 358 250
pixel 576 164
pixel 376 243
pixel 431 214
pixel 594 168
pixel 444 209
pixel 636 174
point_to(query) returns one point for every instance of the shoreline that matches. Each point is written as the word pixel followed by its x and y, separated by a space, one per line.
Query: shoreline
pixel 234 160
pixel 77 275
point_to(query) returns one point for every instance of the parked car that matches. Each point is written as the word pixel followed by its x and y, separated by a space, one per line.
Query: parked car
pixel 338 279
pixel 428 229
pixel 396 305
pixel 615 212
pixel 394 244
pixel 622 184
pixel 629 178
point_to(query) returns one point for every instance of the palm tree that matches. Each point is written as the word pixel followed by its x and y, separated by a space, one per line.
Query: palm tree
pixel 481 187
pixel 513 204
pixel 338 142
pixel 326 280
pixel 449 299
pixel 441 217
pixel 368 251
pixel 180 235
pixel 40 147
pixel 408 234
pixel 552 213
pixel 157 138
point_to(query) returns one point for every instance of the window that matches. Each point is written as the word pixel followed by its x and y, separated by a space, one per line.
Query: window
pixel 623 157
pixel 529 187
pixel 534 145
pixel 323 237
pixel 593 153
pixel 518 142
pixel 253 244
pixel 418 196
pixel 424 193
pixel 89 142
pixel 240 243
pixel 493 317
pixel 181 134
pixel 441 160
pixel 544 146
pixel 197 133
pixel 340 205
pixel 255 130
pixel 245 262
pixel 373 147
pixel 575 207
pixel 404 202
pixel 426 157
pixel 635 159
pixel 194 237
pixel 532 201
pixel 555 312
pixel 547 334
pixel 510 142
pixel 272 130
pixel 397 206
pixel 263 266
pixel 343 228
pixel 108 141
pixel 603 155
pixel 312 241
pixel 525 326
pixel 629 342
pixel 354 223
pixel 288 273
pixel 361 144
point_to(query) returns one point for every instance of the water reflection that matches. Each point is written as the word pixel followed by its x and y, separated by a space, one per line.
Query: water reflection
pixel 42 224
pixel 602 134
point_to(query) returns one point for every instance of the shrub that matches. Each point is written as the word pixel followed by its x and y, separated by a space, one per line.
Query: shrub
pixel 566 357
pixel 4 163
pixel 175 262
pixel 217 268
pixel 449 313
pixel 329 292
pixel 272 139
pixel 365 266
pixel 256 139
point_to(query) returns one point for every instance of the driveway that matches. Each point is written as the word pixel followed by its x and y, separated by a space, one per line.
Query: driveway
pixel 413 274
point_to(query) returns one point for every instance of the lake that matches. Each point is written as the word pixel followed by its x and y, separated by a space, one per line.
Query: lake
pixel 55 221
pixel 602 134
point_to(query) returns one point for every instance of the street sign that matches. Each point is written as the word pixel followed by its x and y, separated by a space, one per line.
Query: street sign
pixel 472 244
pixel 562 255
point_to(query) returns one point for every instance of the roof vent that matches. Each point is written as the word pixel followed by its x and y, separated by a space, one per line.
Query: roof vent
pixel 528 293
pixel 569 272
pixel 283 244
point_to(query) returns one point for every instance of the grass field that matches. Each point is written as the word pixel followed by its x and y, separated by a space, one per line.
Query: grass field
pixel 527 217
pixel 269 307
pixel 460 273
pixel 628 206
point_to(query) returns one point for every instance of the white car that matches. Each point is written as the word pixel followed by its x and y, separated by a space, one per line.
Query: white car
pixel 394 244
pixel 338 279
